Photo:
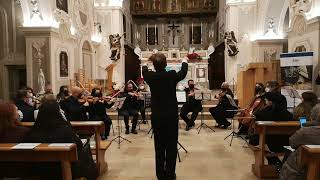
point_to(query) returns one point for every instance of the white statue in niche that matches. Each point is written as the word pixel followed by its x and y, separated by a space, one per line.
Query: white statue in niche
pixel 301 6
pixel 41 81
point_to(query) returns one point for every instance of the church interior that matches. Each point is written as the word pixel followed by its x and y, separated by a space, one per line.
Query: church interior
pixel 86 89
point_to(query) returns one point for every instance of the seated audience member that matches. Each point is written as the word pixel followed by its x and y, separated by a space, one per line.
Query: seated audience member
pixel 10 129
pixel 74 109
pixel 292 168
pixel 50 127
pixel 63 93
pixel 192 105
pixel 274 111
pixel 25 104
pixel 142 88
pixel 98 111
pixel 309 100
pixel 130 108
pixel 220 113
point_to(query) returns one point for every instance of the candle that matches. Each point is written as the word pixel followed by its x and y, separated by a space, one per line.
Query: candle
pixel 192 32
pixel 147 29
pixel 201 31
pixel 162 28
pixel 182 28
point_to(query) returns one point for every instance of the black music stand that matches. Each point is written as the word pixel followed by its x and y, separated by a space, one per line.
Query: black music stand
pixel 203 96
pixel 234 133
pixel 119 139
pixel 181 147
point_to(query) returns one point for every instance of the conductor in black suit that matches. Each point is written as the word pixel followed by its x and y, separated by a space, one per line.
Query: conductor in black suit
pixel 164 118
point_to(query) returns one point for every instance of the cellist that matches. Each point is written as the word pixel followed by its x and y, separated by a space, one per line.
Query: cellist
pixel 256 104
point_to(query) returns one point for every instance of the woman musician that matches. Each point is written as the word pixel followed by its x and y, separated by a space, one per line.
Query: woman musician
pixel 142 88
pixel 247 121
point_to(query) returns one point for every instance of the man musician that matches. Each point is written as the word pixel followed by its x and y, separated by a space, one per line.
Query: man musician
pixel 192 105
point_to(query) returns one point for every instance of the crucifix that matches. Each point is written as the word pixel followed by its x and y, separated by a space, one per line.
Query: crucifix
pixel 174 29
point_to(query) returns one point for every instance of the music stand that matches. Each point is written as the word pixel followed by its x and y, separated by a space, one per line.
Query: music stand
pixel 119 139
pixel 293 94
pixel 234 133
pixel 181 147
pixel 203 96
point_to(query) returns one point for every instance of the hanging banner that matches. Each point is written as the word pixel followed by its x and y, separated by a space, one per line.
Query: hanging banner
pixel 297 70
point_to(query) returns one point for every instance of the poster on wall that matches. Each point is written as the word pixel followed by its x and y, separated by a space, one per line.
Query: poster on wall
pixel 297 70
pixel 296 75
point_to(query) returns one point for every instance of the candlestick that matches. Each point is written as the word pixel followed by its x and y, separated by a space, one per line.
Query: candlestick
pixel 201 36
pixel 192 33
pixel 155 34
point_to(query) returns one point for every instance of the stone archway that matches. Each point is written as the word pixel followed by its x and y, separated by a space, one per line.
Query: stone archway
pixel 87 60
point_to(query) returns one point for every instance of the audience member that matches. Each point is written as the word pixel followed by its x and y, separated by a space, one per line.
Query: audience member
pixel 130 108
pixel 292 169
pixel 26 105
pixel 192 105
pixel 274 111
pixel 309 100
pixel 224 108
pixel 10 129
pixel 50 127
pixel 63 93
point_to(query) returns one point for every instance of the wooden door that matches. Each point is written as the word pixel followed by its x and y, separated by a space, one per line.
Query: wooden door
pixel 217 67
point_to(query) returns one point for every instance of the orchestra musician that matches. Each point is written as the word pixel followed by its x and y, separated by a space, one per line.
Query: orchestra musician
pixel 130 108
pixel 248 114
pixel 63 94
pixel 97 110
pixel 75 107
pixel 142 87
pixel 192 105
pixel 226 103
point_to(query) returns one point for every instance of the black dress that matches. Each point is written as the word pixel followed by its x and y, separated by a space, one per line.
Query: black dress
pixel 74 110
pixel 27 111
pixel 98 112
pixel 130 108
pixel 164 118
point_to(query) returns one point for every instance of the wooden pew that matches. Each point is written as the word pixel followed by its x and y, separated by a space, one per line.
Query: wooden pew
pixel 90 127
pixel 310 157
pixel 42 153
pixel 259 168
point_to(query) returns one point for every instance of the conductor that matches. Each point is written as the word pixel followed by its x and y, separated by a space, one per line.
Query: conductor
pixel 164 118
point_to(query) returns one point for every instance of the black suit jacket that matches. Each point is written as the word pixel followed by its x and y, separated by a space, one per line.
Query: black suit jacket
pixel 27 111
pixel 164 105
pixel 74 110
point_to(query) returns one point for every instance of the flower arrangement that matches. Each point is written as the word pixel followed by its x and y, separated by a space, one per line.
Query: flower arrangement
pixel 194 56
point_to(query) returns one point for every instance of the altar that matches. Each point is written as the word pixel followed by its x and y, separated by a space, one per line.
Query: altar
pixel 197 71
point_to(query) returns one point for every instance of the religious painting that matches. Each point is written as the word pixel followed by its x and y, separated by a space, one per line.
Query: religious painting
pixel 195 35
pixel 201 74
pixel 139 5
pixel 156 5
pixel 63 60
pixel 62 5
pixel 152 35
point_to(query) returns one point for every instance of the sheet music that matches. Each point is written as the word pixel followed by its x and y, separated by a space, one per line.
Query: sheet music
pixel 26 146
pixel 60 144
pixel 181 96
pixel 84 141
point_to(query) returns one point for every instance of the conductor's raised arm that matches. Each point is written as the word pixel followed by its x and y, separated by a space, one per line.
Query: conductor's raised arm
pixel 184 70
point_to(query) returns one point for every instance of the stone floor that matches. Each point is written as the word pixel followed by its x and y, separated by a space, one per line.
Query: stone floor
pixel 209 157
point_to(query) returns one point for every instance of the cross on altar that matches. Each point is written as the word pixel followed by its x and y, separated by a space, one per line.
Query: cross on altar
pixel 173 28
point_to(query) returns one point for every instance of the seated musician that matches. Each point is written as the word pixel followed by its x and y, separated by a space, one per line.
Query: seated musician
pixel 98 111
pixel 74 108
pixel 130 108
pixel 142 87
pixel 25 103
pixel 292 169
pixel 309 100
pixel 63 93
pixel 10 129
pixel 226 102
pixel 192 105
pixel 256 104
pixel 274 86
pixel 50 127
pixel 274 111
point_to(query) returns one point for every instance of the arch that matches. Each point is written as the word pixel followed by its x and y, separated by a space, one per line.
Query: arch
pixel 283 16
pixel 87 61
pixel 4 33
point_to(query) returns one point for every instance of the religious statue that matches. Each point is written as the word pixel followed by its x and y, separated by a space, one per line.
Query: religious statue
pixel 41 82
pixel 138 52
pixel 301 6
pixel 231 43
pixel 173 5
pixel 156 5
pixel 115 46
pixel 271 23
pixel 139 5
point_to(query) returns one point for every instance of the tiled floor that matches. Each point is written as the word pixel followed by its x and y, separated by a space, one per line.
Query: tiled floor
pixel 210 157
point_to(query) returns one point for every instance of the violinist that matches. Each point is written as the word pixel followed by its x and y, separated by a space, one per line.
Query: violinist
pixel 256 104
pixel 130 108
pixel 63 93
pixel 226 102
pixel 192 105
pixel 75 107
pixel 97 110
pixel 142 88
